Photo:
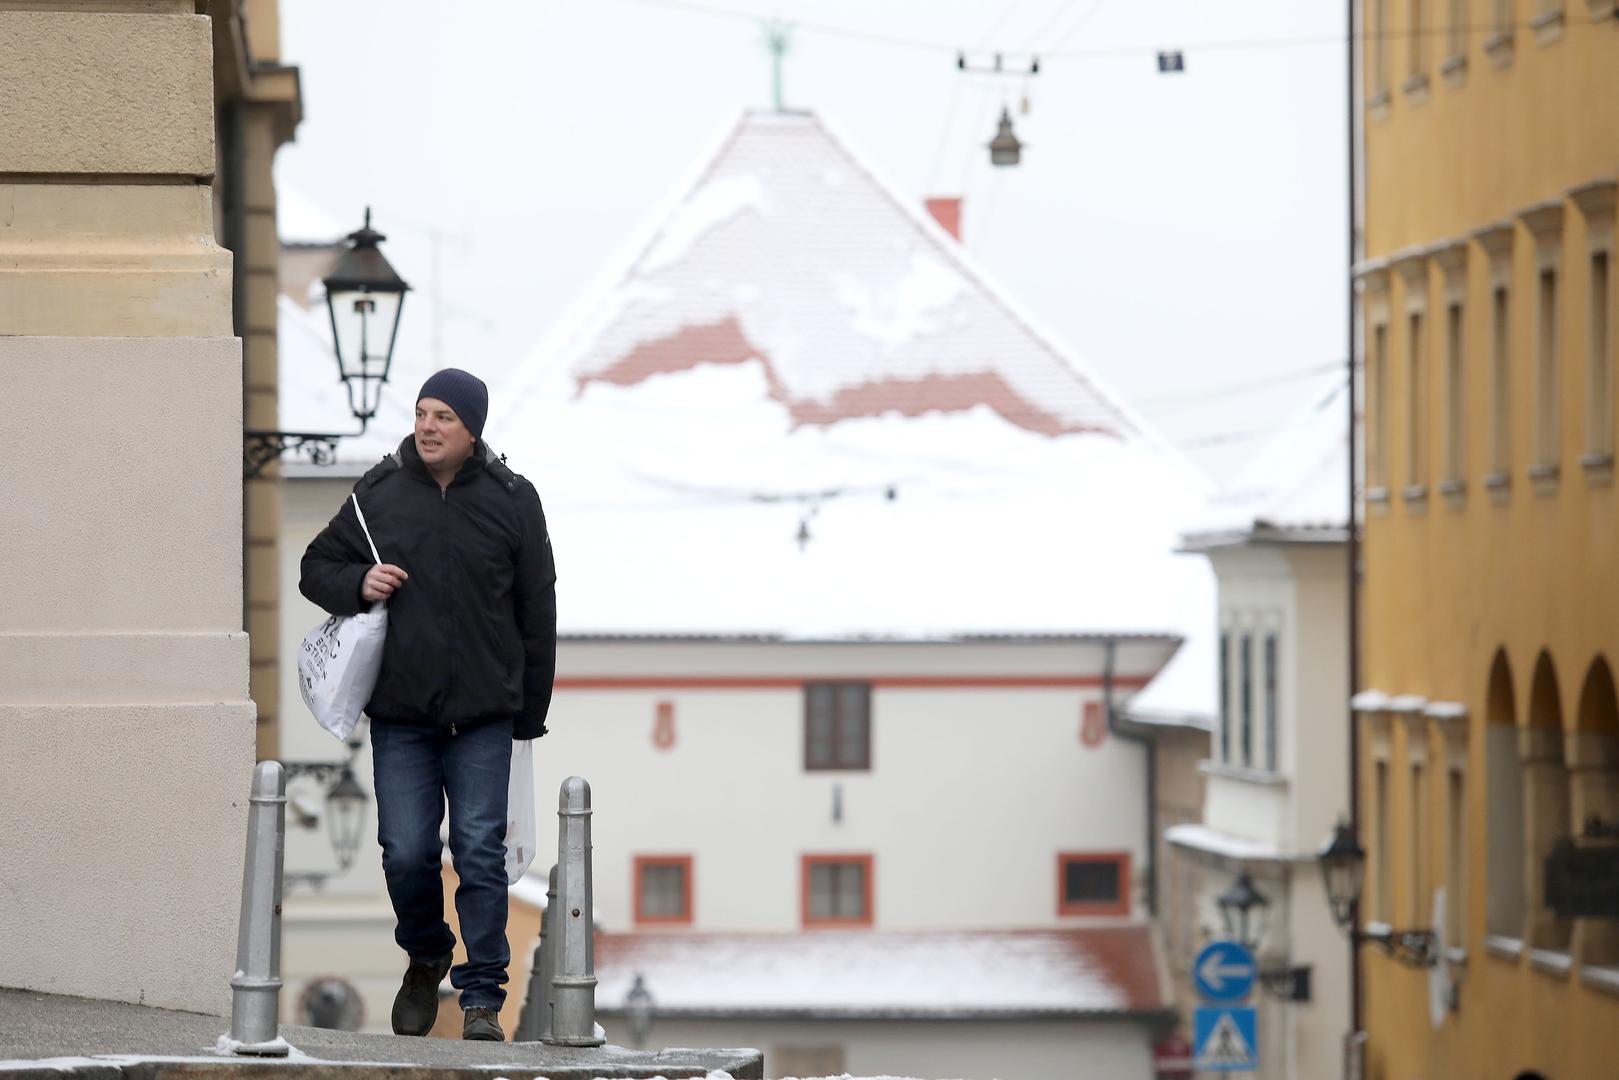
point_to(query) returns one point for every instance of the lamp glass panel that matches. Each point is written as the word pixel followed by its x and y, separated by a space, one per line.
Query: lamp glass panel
pixel 345 818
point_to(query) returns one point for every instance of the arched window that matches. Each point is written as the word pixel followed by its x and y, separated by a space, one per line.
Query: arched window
pixel 1546 800
pixel 1593 760
pixel 1504 862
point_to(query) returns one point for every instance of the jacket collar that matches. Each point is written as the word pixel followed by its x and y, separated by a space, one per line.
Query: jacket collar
pixel 412 462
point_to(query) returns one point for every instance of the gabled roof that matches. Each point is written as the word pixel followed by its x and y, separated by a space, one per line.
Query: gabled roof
pixel 795 408
pixel 789 251
pixel 1296 488
pixel 1081 972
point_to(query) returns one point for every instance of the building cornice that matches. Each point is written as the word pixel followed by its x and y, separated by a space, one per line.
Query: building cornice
pixel 1544 220
pixel 1496 239
pixel 1596 199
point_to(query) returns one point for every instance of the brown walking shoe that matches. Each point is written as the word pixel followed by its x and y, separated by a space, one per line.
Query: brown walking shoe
pixel 482 1024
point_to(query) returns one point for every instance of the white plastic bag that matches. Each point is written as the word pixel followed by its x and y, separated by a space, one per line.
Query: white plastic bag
pixel 522 833
pixel 339 660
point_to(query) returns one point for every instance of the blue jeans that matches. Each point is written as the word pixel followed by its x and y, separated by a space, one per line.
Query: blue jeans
pixel 415 769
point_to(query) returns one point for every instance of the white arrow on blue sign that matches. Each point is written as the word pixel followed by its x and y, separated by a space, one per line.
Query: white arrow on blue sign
pixel 1224 971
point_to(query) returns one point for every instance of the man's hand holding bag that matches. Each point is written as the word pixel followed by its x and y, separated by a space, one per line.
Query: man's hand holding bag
pixel 339 659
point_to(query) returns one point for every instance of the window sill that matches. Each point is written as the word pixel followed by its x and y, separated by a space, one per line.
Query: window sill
pixel 1498 47
pixel 1605 979
pixel 1503 948
pixel 1454 492
pixel 1378 499
pixel 1378 105
pixel 1548 27
pixel 1415 88
pixel 1551 962
pixel 1415 496
pixel 1545 478
pixel 1499 485
pixel 1454 70
pixel 1262 777
pixel 1598 468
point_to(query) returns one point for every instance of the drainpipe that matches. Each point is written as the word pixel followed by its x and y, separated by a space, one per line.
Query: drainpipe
pixel 1352 539
pixel 1117 727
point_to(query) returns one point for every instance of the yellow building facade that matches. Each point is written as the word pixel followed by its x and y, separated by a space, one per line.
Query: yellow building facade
pixel 1489 730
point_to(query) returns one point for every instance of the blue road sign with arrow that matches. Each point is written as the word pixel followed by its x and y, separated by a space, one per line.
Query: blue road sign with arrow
pixel 1225 1039
pixel 1224 971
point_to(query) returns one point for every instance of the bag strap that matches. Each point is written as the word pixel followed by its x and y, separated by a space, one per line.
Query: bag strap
pixel 357 513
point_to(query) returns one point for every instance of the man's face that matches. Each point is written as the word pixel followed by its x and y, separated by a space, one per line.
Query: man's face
pixel 442 440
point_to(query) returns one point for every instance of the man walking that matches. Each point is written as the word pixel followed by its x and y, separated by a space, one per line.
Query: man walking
pixel 468 665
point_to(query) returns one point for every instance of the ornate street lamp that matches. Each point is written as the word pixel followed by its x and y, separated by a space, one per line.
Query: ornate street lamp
pixel 1343 867
pixel 638 1007
pixel 344 802
pixel 1005 148
pixel 1245 911
pixel 365 297
pixel 345 817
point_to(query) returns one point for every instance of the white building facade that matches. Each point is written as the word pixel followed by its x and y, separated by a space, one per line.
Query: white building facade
pixel 1276 783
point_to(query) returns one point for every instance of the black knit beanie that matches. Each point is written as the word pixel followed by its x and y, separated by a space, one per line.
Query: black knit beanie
pixel 462 391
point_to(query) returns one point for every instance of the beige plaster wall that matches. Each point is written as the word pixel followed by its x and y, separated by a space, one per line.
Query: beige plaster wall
pixel 126 731
pixel 125 727
pixel 90 92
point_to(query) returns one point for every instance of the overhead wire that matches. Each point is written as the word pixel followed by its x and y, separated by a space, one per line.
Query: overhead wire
pixel 1123 51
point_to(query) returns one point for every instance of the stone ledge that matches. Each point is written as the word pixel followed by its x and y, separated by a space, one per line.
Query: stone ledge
pixel 47 1037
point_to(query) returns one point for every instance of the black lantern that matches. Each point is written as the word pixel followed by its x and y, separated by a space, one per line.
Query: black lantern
pixel 365 297
pixel 638 1011
pixel 1244 910
pixel 1343 868
pixel 345 810
pixel 1004 148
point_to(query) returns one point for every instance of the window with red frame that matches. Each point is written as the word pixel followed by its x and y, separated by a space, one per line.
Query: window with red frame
pixel 837 890
pixel 663 889
pixel 1093 883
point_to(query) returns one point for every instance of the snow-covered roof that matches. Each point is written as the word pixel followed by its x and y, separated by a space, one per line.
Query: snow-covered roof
pixel 298 220
pixel 796 408
pixel 1223 845
pixel 1296 488
pixel 789 253
pixel 1092 971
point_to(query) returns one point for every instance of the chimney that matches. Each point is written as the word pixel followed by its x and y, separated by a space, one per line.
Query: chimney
pixel 946 210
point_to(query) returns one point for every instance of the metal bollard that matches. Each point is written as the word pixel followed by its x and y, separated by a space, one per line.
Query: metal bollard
pixel 256 986
pixel 573 977
pixel 535 1024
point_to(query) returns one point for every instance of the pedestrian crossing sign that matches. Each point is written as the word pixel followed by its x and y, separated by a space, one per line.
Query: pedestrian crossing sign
pixel 1225 1039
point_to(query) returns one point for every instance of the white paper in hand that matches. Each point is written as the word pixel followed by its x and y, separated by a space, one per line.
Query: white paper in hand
pixel 339 660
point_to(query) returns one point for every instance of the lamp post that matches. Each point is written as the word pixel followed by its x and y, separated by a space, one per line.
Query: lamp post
pixel 1343 868
pixel 365 297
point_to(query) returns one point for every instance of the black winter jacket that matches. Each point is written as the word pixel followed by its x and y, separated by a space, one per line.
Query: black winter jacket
pixel 472 632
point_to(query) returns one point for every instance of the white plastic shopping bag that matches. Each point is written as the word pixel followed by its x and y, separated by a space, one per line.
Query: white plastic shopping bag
pixel 522 832
pixel 340 659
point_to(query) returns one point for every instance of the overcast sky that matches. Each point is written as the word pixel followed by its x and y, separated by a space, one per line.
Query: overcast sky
pixel 1181 234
